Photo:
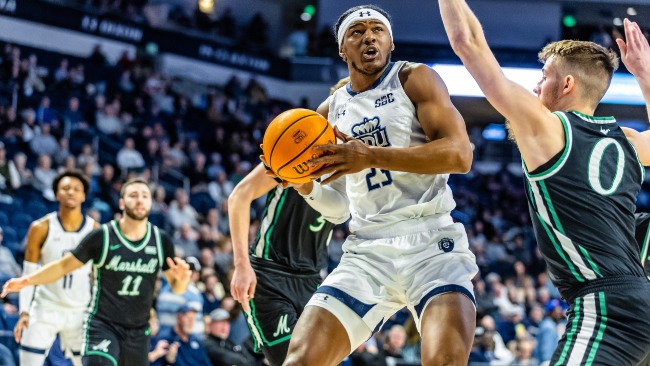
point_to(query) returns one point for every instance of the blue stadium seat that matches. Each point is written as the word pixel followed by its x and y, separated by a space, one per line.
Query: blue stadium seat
pixel 202 202
pixel 36 208
pixel 4 219
pixel 9 235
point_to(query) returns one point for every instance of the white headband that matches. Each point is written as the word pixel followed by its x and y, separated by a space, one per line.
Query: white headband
pixel 362 14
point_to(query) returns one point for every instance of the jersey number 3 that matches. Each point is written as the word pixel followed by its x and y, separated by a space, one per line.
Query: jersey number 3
pixel 375 180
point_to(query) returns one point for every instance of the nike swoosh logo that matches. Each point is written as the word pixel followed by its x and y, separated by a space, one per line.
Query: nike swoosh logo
pixel 113 247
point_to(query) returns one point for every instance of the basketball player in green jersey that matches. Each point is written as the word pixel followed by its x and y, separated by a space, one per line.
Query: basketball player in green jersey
pixel 582 177
pixel 127 255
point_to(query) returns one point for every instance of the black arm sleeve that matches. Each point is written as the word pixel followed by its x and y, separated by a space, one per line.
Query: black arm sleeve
pixel 168 248
pixel 90 247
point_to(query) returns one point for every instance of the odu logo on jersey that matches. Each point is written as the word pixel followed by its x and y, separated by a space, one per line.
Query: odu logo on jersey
pixel 446 245
pixel 370 132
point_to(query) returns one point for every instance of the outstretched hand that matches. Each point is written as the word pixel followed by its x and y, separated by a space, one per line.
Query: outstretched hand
pixel 14 285
pixel 349 157
pixel 635 51
pixel 179 269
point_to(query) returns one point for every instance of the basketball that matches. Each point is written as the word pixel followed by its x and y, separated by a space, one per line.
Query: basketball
pixel 289 141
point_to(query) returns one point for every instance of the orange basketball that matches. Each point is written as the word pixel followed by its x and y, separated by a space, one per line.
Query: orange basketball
pixel 289 141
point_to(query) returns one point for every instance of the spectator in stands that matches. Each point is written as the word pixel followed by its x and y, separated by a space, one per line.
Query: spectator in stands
pixel 395 339
pixel 185 241
pixel 221 187
pixel 88 157
pixel 169 302
pixel 180 211
pixel 367 355
pixel 495 349
pixel 159 204
pixel 549 330
pixel 185 349
pixel 158 347
pixel 128 157
pixel 46 115
pixel 8 266
pixel 63 153
pixel 73 116
pixel 214 290
pixel 221 350
pixel 524 353
pixel 108 121
pixel 44 176
pixel 25 174
pixel 43 142
pixel 9 178
pixel 61 73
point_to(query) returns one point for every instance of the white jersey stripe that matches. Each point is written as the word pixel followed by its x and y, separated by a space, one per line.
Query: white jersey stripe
pixel 566 243
pixel 589 318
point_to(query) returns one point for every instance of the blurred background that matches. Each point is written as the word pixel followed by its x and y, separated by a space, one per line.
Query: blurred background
pixel 180 92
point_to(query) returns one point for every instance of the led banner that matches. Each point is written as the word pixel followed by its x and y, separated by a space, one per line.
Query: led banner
pixel 624 89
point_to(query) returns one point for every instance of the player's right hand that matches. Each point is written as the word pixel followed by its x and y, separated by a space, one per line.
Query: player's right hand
pixel 14 285
pixel 242 286
pixel 23 322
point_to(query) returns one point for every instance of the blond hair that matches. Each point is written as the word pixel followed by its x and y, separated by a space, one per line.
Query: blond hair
pixel 590 63
pixel 339 84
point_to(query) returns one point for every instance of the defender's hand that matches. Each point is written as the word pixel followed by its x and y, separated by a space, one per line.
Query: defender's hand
pixel 635 51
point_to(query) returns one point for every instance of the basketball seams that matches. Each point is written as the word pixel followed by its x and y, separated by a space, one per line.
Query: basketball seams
pixel 326 127
pixel 282 134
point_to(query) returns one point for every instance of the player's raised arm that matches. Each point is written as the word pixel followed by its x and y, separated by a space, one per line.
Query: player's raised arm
pixel 46 274
pixel 538 132
pixel 252 187
pixel 635 54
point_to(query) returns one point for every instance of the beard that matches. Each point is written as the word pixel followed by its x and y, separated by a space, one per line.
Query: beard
pixel 373 72
pixel 133 216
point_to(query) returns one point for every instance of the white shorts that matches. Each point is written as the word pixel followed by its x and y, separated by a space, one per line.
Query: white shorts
pixel 44 325
pixel 378 277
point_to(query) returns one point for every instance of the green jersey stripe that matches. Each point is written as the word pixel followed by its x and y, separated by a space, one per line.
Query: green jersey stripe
pixel 602 318
pixel 269 217
pixel 568 137
pixel 276 215
pixel 571 334
pixel 567 244
pixel 560 251
pixel 586 331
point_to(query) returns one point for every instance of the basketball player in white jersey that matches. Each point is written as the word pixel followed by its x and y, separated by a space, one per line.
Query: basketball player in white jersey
pixel 402 137
pixel 59 307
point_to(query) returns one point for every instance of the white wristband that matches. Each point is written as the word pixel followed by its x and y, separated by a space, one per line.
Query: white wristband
pixel 26 295
pixel 315 194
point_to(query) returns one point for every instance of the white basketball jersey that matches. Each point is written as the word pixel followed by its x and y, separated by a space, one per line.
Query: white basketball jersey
pixel 72 291
pixel 382 200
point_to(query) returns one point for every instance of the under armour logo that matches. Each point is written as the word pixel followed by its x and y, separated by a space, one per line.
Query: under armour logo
pixel 604 131
pixel 362 12
pixel 325 298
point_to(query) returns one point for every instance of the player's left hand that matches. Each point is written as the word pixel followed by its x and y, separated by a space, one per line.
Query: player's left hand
pixel 179 269
pixel 349 157
pixel 14 285
pixel 635 51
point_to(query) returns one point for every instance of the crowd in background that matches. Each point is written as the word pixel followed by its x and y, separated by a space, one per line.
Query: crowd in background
pixel 194 143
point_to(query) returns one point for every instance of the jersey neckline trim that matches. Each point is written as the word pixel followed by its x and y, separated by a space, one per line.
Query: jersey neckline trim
pixel 568 143
pixel 129 244
pixel 348 86
pixel 592 119
pixel 81 227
